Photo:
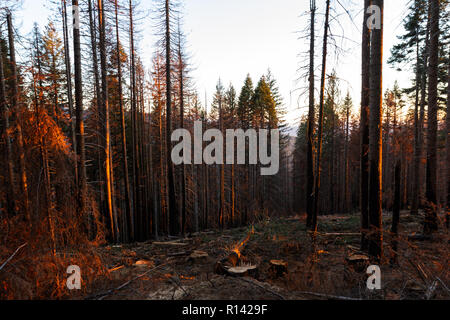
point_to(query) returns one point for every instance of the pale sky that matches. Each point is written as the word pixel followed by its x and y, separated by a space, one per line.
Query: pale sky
pixel 230 38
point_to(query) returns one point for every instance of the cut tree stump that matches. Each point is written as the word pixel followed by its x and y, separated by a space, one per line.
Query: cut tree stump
pixel 278 267
pixel 358 261
pixel 242 271
pixel 198 256
pixel 143 263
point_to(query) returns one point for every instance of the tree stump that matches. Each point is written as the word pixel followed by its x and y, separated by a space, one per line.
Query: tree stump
pixel 278 267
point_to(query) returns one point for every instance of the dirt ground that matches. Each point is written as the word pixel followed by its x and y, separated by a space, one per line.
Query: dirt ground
pixel 162 270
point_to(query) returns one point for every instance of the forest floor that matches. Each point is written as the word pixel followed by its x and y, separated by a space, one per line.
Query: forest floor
pixel 163 270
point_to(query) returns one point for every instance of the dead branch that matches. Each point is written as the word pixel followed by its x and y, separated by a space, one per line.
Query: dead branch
pixel 259 285
pixel 12 256
pixel 105 294
pixel 430 290
pixel 330 297
pixel 443 284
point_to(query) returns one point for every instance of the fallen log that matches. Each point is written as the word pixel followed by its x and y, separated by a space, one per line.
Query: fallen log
pixel 170 243
pixel 10 258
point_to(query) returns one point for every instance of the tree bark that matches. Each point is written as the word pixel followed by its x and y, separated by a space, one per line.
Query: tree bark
pixel 447 217
pixel 430 223
pixel 321 112
pixel 128 203
pixel 11 196
pixel 81 153
pixel 174 223
pixel 376 144
pixel 69 84
pixel 107 136
pixel 311 123
pixel 364 128
pixel 15 106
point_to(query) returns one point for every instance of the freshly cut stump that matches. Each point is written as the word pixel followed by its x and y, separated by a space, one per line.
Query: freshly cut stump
pixel 242 271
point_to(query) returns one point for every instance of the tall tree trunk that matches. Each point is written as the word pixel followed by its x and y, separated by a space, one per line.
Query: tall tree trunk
pixel 417 147
pixel 447 217
pixel 137 201
pixel 11 196
pixel 183 167
pixel 376 144
pixel 364 128
pixel 430 223
pixel 69 83
pixel 396 210
pixel 222 173
pixel 174 222
pixel 81 153
pixel 346 169
pixel 93 28
pixel 128 203
pixel 18 110
pixel 106 132
pixel 321 107
pixel 311 122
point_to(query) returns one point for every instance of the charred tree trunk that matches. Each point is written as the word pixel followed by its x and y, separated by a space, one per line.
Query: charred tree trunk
pixel 106 132
pixel 447 217
pixel 11 196
pixel 92 28
pixel 174 223
pixel 311 123
pixel 69 83
pixel 321 112
pixel 16 107
pixel 376 144
pixel 364 128
pixel 128 203
pixel 81 154
pixel 430 223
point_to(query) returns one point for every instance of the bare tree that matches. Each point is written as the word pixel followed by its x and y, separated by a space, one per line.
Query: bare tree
pixel 311 121
pixel 18 112
pixel 6 128
pixel 375 149
pixel 109 187
pixel 430 224
pixel 321 107
pixel 81 153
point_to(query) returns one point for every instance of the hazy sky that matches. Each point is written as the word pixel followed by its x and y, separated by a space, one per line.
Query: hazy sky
pixel 230 38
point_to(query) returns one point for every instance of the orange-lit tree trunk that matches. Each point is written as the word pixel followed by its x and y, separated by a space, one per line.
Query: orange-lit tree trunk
pixel 106 132
pixel 430 223
pixel 18 112
pixel 375 150
pixel 321 112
